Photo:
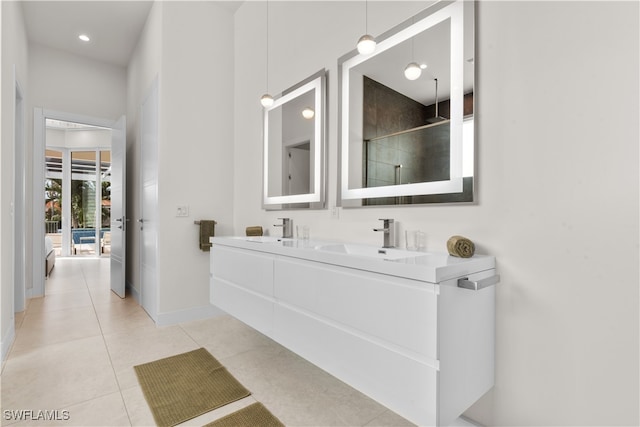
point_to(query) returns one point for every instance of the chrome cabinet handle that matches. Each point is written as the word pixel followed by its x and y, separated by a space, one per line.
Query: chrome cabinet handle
pixel 476 285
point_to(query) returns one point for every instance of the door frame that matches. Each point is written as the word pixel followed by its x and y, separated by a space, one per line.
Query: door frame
pixel 39 136
pixel 287 160
pixel 19 205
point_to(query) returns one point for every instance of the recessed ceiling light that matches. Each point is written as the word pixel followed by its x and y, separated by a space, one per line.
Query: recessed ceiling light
pixel 84 37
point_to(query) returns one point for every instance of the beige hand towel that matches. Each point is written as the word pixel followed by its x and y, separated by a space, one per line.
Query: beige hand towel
pixel 460 246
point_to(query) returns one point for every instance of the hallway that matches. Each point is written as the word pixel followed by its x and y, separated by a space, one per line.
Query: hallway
pixel 75 350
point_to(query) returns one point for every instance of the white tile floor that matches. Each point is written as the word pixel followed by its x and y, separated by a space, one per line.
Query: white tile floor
pixel 75 350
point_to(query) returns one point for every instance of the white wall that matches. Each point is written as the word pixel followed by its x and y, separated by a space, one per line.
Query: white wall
pixel 62 81
pixel 96 138
pixel 195 159
pixel 557 175
pixel 189 45
pixel 14 54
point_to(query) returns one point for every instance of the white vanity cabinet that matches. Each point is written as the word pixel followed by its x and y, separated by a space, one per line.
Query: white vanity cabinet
pixel 242 285
pixel 425 350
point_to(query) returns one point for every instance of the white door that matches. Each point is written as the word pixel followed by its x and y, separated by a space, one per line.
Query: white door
pixel 148 220
pixel 118 203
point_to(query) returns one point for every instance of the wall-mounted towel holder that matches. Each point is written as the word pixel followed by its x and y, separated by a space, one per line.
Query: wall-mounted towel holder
pixel 476 285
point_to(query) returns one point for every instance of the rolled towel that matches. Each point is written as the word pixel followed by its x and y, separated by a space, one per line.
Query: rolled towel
pixel 460 246
pixel 254 231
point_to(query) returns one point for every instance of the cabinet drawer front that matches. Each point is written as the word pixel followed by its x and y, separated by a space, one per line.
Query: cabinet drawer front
pixel 247 269
pixel 397 311
pixel 248 307
pixel 402 384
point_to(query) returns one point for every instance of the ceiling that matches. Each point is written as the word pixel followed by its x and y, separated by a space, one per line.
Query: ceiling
pixel 113 26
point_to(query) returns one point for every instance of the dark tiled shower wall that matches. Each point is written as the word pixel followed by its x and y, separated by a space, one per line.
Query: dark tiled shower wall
pixel 423 154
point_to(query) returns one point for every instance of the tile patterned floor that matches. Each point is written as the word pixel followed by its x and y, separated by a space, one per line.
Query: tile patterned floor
pixel 75 350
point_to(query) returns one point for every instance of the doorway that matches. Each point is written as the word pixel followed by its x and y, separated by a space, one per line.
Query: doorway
pixel 75 162
pixel 77 188
pixel 298 169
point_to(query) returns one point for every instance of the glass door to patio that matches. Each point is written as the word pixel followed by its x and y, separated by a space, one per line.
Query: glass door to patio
pixel 77 189
pixel 88 212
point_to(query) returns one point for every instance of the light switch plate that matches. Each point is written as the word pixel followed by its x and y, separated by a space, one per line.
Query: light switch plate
pixel 335 212
pixel 182 210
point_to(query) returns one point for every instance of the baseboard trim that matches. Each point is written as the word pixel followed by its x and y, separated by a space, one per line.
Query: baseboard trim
pixel 7 339
pixel 188 315
pixel 135 294
pixel 463 421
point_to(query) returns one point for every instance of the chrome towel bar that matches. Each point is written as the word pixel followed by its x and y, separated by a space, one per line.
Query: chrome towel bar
pixel 476 285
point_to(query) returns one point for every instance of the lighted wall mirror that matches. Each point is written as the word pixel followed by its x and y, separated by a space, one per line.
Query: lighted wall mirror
pixel 406 112
pixel 294 147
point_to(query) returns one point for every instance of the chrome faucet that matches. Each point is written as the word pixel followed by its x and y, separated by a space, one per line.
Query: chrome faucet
pixel 389 231
pixel 287 229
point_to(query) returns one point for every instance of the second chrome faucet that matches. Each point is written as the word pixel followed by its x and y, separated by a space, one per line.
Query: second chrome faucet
pixel 389 230
pixel 287 229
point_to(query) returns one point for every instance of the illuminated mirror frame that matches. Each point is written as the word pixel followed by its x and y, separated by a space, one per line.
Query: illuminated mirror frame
pixel 427 19
pixel 316 198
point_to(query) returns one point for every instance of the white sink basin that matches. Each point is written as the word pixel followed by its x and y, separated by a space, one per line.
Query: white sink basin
pixel 265 239
pixel 369 251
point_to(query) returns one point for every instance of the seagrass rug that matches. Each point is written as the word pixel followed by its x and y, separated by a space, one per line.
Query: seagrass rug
pixel 254 415
pixel 182 387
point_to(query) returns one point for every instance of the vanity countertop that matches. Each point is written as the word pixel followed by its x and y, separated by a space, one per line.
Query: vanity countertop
pixel 432 267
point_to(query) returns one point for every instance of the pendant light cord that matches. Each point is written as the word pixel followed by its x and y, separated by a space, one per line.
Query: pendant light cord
pixel 413 50
pixel 267 73
pixel 366 17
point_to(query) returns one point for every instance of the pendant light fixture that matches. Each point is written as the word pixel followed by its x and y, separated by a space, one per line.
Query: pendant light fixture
pixel 267 100
pixel 413 70
pixel 366 44
pixel 308 113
